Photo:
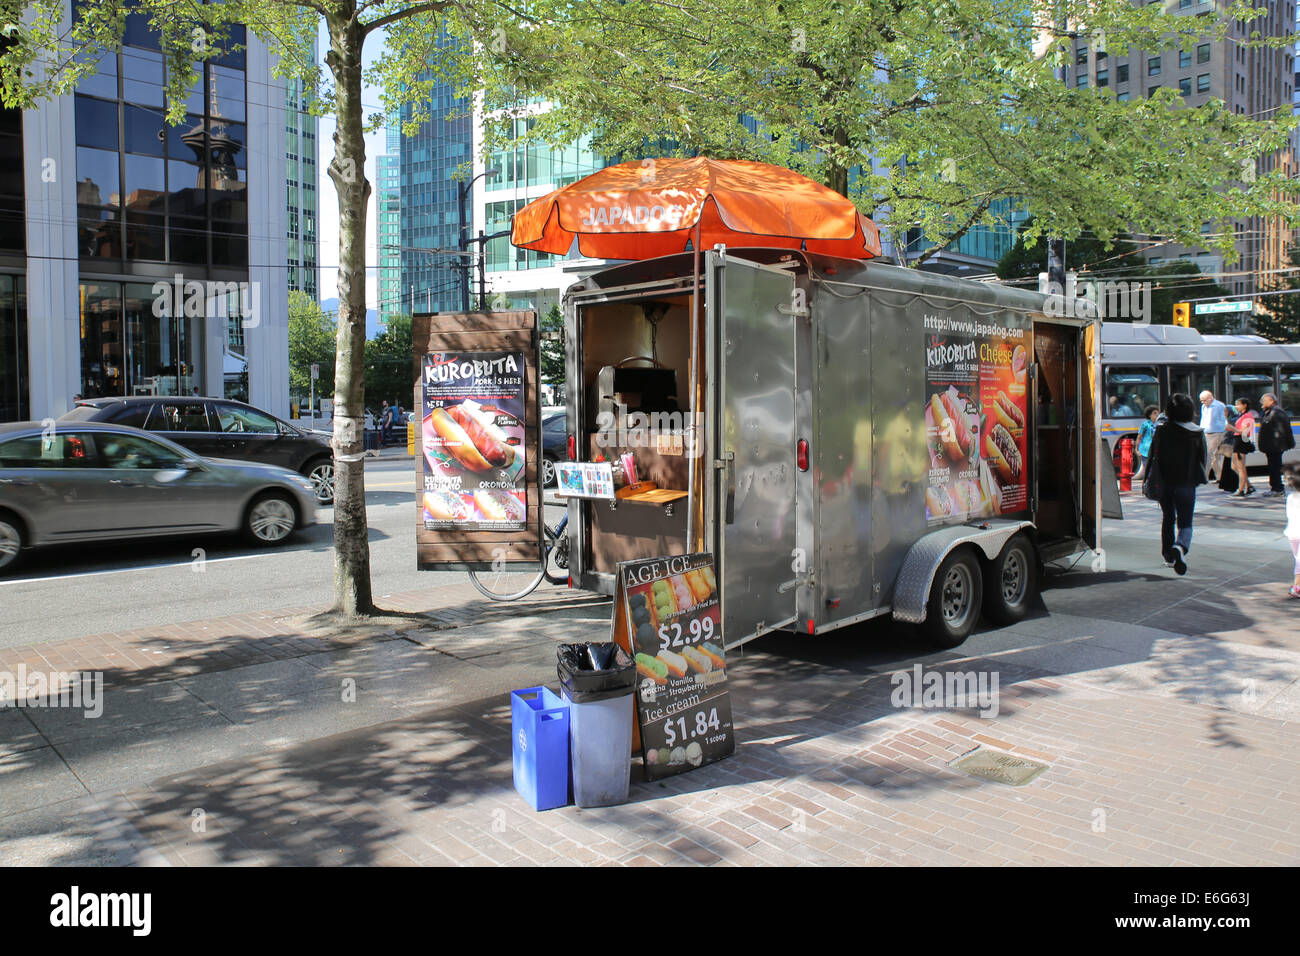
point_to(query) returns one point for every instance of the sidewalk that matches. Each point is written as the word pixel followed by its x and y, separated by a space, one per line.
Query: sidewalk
pixel 1168 733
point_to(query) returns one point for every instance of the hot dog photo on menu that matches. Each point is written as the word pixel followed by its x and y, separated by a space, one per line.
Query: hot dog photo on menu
pixel 472 439
pixel 975 411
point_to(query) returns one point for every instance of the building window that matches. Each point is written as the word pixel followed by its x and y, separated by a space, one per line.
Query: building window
pixel 1081 79
pixel 1203 83
pixel 1151 90
pixel 1153 66
pixel 1185 86
pixel 1081 56
pixel 1184 57
pixel 1121 73
pixel 13 348
pixel 1203 53
pixel 127 349
pixel 1103 78
pixel 1122 97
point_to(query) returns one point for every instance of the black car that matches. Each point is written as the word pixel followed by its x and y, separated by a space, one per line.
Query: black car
pixel 555 443
pixel 221 428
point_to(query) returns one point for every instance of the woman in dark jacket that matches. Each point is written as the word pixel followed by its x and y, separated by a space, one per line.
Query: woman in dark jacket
pixel 1178 453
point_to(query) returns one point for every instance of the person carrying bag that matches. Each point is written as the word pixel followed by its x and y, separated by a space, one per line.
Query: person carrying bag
pixel 1175 469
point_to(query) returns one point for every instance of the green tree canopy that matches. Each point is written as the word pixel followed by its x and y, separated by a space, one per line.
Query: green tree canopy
pixel 1280 321
pixel 390 368
pixel 552 357
pixel 926 113
pixel 312 337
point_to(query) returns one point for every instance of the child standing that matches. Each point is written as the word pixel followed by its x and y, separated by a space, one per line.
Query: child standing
pixel 1145 433
pixel 1291 478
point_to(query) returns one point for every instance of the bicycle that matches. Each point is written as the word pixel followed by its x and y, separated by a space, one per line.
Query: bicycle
pixel 510 582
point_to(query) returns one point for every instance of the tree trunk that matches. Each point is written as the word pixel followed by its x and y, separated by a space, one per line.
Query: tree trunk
pixel 352 595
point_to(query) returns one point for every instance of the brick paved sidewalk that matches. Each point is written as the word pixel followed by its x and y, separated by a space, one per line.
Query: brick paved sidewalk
pixel 167 651
pixel 827 771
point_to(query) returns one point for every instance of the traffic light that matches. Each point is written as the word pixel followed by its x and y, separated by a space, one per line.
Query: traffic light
pixel 1183 314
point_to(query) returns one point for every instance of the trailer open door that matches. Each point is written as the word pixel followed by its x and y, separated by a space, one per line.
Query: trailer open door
pixel 750 333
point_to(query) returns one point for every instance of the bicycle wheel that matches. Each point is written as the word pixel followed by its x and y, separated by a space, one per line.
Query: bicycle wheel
pixel 510 582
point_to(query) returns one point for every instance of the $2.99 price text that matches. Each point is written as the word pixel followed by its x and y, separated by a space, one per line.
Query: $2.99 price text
pixel 700 724
pixel 672 635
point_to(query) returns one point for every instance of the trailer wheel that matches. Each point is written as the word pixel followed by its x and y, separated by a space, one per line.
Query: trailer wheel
pixel 1012 582
pixel 955 598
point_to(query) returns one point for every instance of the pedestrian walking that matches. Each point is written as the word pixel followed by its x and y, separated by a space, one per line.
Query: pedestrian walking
pixel 1243 445
pixel 1214 422
pixel 1146 431
pixel 1275 439
pixel 1178 459
pixel 386 423
pixel 1292 476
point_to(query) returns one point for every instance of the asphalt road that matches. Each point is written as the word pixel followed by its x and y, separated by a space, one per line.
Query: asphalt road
pixel 78 590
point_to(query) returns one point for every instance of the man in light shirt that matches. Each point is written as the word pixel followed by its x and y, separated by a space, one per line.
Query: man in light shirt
pixel 1214 422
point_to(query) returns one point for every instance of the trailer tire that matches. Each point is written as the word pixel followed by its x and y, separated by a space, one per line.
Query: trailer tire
pixel 956 594
pixel 1011 582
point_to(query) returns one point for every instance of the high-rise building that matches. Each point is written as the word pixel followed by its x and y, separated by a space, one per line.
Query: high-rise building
pixel 301 155
pixel 511 179
pixel 150 257
pixel 388 221
pixel 430 201
pixel 1253 82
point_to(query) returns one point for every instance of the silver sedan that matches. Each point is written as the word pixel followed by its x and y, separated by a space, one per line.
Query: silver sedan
pixel 88 481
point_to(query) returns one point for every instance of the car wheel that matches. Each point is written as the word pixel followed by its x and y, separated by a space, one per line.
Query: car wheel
pixel 271 519
pixel 1012 582
pixel 12 542
pixel 548 472
pixel 955 598
pixel 321 475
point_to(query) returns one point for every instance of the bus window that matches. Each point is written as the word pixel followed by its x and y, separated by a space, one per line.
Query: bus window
pixel 1129 390
pixel 1192 381
pixel 1249 381
pixel 1288 389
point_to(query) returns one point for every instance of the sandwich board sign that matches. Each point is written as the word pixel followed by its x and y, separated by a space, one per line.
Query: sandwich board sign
pixel 667 615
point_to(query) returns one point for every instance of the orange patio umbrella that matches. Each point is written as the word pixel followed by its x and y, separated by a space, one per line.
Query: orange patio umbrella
pixel 653 207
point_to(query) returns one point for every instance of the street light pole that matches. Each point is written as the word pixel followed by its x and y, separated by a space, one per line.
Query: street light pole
pixel 463 239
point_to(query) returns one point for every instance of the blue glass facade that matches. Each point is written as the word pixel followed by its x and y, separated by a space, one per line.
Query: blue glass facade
pixel 429 207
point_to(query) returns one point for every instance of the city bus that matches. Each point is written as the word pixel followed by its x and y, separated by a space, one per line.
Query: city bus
pixel 1143 365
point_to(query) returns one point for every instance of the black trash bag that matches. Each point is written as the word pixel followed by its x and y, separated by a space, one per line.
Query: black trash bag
pixel 584 682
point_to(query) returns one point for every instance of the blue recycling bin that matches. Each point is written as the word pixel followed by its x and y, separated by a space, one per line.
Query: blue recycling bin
pixel 539 726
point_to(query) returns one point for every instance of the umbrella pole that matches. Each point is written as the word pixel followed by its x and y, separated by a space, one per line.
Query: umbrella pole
pixel 695 501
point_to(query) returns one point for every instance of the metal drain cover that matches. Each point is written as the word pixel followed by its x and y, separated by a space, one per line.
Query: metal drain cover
pixel 998 767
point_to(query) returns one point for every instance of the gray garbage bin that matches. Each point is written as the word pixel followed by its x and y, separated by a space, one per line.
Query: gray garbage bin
pixel 597 682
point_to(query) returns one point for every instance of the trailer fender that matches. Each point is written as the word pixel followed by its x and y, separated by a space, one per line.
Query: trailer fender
pixel 912 591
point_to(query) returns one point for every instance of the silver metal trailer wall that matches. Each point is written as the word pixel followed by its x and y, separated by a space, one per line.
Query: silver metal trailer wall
pixel 830 352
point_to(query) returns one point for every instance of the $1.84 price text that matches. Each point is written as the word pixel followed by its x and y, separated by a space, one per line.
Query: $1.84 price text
pixel 693 725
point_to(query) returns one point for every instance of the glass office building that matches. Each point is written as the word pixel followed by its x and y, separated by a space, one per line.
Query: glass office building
pixel 149 259
pixel 301 176
pixel 388 221
pixel 430 216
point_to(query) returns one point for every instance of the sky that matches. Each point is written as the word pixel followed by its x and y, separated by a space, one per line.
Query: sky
pixel 327 198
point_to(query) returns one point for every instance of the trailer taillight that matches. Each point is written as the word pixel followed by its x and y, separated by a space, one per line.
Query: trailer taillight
pixel 571 446
pixel 801 454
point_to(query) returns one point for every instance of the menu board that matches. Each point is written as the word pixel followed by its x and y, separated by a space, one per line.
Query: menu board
pixel 473 441
pixel 674 626
pixel 583 479
pixel 976 373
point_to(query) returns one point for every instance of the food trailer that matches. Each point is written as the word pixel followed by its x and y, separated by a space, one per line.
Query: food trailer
pixel 849 439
